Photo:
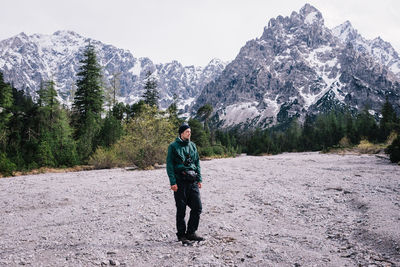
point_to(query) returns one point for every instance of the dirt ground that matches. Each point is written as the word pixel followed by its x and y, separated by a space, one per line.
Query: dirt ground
pixel 295 209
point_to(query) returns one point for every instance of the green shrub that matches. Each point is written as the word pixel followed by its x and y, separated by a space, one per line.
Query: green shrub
pixel 205 151
pixel 31 166
pixel 345 142
pixel 6 166
pixel 147 138
pixel 104 159
pixel 394 150
pixel 67 155
pixel 45 156
pixel 233 152
pixel 218 150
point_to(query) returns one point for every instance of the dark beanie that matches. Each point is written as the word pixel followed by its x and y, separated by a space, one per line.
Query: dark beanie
pixel 183 128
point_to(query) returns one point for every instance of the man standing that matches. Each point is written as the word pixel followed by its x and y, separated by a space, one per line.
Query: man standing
pixel 183 169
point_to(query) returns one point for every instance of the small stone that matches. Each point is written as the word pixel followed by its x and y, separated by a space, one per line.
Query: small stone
pixel 114 263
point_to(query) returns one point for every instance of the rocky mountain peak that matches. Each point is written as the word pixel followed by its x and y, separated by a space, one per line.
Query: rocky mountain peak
pixel 297 67
pixel 311 15
pixel 22 36
pixel 345 32
pixel 380 50
pixel 379 42
pixel 65 33
pixel 307 25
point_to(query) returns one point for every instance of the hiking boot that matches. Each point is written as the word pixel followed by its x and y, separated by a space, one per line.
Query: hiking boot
pixel 184 240
pixel 194 237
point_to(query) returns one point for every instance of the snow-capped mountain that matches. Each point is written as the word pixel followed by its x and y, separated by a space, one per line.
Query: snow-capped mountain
pixel 382 51
pixel 27 60
pixel 298 66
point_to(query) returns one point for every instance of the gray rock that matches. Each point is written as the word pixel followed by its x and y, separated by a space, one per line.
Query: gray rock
pixel 114 263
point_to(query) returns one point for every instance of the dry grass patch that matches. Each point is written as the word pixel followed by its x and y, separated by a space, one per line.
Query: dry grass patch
pixel 365 147
pixel 55 170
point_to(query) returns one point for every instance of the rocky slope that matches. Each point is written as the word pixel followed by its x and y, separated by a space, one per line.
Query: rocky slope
pixel 380 50
pixel 28 60
pixel 297 66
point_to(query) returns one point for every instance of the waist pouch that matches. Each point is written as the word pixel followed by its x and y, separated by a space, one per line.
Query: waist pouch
pixel 189 176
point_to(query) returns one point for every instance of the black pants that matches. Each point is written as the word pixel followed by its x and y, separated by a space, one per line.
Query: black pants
pixel 188 194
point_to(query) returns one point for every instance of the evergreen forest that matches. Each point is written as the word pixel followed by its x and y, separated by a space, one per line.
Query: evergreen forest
pixel 101 132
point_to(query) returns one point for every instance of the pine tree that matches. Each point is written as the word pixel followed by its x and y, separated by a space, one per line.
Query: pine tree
pixel 6 102
pixel 388 122
pixel 199 136
pixel 135 109
pixel 89 94
pixel 173 112
pixel 119 111
pixel 151 94
pixel 308 140
pixel 56 146
pixel 112 91
pixel 23 138
pixel 350 128
pixel 48 103
pixel 204 113
pixel 88 103
pixel 366 126
pixel 111 130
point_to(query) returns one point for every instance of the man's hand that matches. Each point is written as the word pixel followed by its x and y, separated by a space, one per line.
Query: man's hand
pixel 199 184
pixel 174 187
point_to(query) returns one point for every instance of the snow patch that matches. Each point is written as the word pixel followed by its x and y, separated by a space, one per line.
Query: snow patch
pixel 136 69
pixel 239 113
pixel 272 106
pixel 183 103
pixel 395 68
pixel 311 17
pixel 309 99
pixel 331 84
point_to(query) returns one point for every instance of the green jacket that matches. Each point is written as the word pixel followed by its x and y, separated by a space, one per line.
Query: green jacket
pixel 177 153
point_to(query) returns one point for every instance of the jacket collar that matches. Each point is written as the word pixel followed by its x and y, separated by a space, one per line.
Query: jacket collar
pixel 182 142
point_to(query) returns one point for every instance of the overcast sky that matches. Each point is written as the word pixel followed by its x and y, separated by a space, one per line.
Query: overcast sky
pixel 190 31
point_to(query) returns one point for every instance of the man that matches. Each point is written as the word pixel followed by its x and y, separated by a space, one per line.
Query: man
pixel 183 169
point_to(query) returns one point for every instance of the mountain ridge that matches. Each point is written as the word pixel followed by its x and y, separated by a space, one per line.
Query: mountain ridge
pixel 297 66
pixel 28 60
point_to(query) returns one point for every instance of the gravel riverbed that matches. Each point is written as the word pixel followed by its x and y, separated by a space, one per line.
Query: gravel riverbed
pixel 293 209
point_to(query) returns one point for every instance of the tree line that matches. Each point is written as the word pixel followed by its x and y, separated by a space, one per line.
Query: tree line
pixel 45 133
pixel 335 129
